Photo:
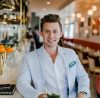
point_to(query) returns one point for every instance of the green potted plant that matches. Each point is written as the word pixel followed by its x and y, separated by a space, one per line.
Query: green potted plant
pixel 53 96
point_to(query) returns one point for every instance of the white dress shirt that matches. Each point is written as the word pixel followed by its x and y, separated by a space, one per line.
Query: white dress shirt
pixel 55 75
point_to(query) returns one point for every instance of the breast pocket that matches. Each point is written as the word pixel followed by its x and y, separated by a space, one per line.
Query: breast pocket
pixel 72 64
pixel 72 69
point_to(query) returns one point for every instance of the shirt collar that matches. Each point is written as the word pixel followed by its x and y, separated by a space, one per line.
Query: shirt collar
pixel 59 51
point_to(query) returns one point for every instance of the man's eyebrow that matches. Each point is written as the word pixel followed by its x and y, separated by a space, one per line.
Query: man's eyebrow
pixel 45 29
pixel 48 29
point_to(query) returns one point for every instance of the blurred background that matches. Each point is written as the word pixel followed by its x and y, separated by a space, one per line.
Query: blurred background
pixel 20 33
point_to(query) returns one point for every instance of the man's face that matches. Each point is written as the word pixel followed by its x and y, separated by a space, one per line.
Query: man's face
pixel 51 34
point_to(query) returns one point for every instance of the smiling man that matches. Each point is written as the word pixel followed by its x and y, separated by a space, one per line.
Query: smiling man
pixel 52 69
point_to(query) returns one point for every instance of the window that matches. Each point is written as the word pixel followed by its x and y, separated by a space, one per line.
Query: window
pixel 69 28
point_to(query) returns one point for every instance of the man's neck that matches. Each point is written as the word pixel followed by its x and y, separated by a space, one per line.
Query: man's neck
pixel 52 52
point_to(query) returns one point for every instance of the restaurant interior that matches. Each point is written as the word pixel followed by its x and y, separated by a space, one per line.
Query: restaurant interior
pixel 19 18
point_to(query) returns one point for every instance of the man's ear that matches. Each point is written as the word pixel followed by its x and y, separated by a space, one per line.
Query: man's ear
pixel 61 34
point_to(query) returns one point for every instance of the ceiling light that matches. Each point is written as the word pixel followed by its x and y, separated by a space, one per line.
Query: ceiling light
pixel 82 19
pixel 95 31
pixel 78 15
pixel 90 12
pixel 48 2
pixel 86 31
pixel 94 8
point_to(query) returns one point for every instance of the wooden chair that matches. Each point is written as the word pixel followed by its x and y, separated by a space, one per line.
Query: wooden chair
pixel 92 67
pixel 83 61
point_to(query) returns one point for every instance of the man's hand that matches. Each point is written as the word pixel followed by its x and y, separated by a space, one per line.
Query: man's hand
pixel 80 95
pixel 42 96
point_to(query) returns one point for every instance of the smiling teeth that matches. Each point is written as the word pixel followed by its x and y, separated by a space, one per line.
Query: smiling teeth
pixel 51 41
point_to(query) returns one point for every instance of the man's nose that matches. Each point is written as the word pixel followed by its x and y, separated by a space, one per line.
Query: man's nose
pixel 51 34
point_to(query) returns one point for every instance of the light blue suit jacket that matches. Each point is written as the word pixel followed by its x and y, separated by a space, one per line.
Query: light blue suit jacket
pixel 31 80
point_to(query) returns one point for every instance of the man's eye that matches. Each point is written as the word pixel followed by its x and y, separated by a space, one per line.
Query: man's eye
pixel 55 32
pixel 46 31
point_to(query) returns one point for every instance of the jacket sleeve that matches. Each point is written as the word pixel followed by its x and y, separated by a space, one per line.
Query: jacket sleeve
pixel 24 82
pixel 82 79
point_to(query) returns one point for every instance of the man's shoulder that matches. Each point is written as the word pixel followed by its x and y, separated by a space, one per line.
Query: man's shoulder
pixel 68 50
pixel 34 52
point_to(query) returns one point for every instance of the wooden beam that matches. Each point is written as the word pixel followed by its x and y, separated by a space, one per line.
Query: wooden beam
pixel 65 4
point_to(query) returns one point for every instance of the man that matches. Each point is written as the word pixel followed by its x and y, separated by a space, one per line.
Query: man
pixel 36 36
pixel 53 69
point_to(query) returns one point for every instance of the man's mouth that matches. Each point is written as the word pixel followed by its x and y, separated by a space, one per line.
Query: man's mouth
pixel 51 41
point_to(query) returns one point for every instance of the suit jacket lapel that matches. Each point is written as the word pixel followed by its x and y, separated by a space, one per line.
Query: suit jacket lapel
pixel 40 60
pixel 66 63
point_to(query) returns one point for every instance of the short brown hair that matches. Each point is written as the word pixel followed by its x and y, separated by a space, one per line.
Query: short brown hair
pixel 51 18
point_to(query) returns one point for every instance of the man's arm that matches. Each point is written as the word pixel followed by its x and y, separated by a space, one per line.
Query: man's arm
pixel 43 96
pixel 82 95
pixel 83 81
pixel 24 82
